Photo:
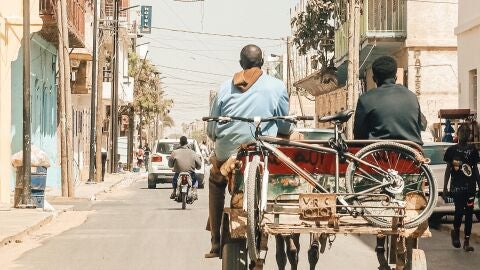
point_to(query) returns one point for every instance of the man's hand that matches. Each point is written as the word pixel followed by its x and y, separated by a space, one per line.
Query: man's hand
pixel 445 195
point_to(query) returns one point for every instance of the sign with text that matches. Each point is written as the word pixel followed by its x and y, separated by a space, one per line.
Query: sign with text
pixel 146 20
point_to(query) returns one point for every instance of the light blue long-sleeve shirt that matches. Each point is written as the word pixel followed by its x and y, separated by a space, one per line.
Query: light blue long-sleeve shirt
pixel 266 97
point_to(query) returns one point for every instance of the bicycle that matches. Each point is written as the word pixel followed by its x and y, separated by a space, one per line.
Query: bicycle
pixel 379 178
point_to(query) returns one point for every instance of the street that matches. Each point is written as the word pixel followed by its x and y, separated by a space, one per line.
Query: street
pixel 137 228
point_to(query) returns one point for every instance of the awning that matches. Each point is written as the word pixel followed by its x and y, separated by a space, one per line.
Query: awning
pixel 81 54
pixel 455 113
pixel 319 82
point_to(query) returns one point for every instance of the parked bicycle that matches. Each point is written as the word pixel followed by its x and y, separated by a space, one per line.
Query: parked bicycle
pixel 379 178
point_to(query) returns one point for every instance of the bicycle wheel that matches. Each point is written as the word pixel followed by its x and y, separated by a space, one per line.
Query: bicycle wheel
pixel 253 209
pixel 401 177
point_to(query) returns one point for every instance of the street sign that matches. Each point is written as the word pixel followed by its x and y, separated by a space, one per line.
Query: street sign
pixel 146 20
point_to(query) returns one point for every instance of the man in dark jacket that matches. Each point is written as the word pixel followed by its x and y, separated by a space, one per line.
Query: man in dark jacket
pixel 390 111
pixel 184 159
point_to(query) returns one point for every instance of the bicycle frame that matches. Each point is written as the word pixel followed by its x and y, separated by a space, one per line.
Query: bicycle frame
pixel 268 143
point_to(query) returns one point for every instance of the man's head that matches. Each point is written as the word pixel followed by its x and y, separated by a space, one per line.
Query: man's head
pixel 384 67
pixel 463 133
pixel 183 141
pixel 251 56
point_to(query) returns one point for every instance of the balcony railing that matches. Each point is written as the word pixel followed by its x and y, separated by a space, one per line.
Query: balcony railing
pixel 75 17
pixel 379 19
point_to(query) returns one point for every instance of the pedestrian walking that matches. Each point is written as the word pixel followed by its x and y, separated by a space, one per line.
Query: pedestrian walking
pixel 462 170
pixel 140 157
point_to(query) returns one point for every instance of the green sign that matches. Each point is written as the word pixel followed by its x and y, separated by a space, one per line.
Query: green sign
pixel 146 20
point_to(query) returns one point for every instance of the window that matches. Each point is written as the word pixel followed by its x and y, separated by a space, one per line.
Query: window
pixel 473 90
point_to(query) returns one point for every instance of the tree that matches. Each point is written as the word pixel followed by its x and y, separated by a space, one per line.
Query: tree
pixel 149 100
pixel 314 29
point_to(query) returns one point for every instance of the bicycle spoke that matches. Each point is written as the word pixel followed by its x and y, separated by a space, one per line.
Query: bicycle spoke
pixel 368 176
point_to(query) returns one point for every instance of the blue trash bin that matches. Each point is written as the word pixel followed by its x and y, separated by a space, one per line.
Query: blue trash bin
pixel 38 184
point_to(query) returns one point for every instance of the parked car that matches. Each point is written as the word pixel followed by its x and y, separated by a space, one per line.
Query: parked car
pixel 435 151
pixel 158 170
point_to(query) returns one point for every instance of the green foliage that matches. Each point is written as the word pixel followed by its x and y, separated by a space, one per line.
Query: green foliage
pixel 314 29
pixel 149 100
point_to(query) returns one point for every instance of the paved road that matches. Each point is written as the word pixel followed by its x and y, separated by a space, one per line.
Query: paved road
pixel 137 228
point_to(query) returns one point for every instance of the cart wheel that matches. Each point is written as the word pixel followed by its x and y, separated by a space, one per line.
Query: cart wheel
pixel 234 255
pixel 419 261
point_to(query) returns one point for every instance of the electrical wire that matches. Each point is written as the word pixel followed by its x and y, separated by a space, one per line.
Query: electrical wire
pixel 215 34
pixel 195 71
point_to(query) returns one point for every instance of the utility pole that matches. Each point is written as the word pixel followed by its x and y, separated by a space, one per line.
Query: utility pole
pixel 26 169
pixel 68 99
pixel 61 103
pixel 289 63
pixel 99 111
pixel 114 109
pixel 353 57
pixel 93 107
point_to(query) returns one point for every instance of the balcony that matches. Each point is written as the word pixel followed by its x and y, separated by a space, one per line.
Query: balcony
pixel 383 26
pixel 76 22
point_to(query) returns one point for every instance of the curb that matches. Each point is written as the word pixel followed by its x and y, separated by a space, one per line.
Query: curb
pixel 21 235
pixel 8 240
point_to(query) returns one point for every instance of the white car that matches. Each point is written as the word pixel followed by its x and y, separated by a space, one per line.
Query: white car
pixel 158 170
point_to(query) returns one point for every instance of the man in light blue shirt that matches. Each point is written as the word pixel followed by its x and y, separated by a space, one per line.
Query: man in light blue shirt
pixel 251 93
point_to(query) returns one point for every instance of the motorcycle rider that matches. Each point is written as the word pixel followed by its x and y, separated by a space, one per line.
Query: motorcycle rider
pixel 390 111
pixel 184 159
pixel 462 160
pixel 250 93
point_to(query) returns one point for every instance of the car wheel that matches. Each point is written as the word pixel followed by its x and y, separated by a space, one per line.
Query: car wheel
pixel 151 182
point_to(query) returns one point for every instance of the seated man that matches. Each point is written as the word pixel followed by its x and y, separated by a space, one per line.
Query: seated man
pixel 184 159
pixel 249 93
pixel 390 111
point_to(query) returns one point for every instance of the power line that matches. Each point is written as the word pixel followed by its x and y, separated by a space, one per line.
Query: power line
pixel 190 52
pixel 196 71
pixel 188 80
pixel 214 34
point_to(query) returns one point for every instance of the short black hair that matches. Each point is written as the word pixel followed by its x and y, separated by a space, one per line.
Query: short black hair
pixel 251 56
pixel 463 132
pixel 183 141
pixel 384 67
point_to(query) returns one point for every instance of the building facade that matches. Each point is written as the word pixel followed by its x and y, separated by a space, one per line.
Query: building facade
pixel 423 43
pixel 11 34
pixel 468 37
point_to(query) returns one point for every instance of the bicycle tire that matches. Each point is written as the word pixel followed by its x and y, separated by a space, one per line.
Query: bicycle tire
pixel 410 153
pixel 253 209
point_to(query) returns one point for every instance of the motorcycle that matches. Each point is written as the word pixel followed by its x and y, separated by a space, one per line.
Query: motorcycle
pixel 185 191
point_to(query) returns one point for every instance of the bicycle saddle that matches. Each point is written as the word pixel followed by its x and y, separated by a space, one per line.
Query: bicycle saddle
pixel 340 117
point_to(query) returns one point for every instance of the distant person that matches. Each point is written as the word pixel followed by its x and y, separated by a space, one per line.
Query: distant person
pixel 104 162
pixel 388 112
pixel 204 150
pixel 140 157
pixel 462 159
pixel 147 152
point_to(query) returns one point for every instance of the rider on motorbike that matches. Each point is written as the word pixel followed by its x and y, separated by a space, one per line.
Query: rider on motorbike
pixel 184 159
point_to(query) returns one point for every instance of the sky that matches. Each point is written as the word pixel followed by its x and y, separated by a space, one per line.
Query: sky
pixel 173 51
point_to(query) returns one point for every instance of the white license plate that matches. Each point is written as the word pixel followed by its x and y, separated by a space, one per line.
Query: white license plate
pixel 184 189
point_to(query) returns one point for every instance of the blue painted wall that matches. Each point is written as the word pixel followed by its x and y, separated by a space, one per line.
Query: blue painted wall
pixel 43 89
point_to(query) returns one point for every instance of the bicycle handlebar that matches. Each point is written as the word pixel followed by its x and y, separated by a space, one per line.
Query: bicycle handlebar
pixel 225 119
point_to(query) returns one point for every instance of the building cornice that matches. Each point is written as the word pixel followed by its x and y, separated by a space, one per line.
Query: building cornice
pixel 469 25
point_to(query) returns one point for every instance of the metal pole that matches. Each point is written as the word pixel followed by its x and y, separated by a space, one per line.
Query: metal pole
pixel 93 111
pixel 26 198
pixel 114 109
pixel 353 60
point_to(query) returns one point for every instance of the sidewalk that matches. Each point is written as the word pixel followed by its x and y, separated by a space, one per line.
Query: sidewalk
pixel 15 224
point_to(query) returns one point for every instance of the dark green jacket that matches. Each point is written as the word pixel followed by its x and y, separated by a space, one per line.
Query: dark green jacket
pixel 390 111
